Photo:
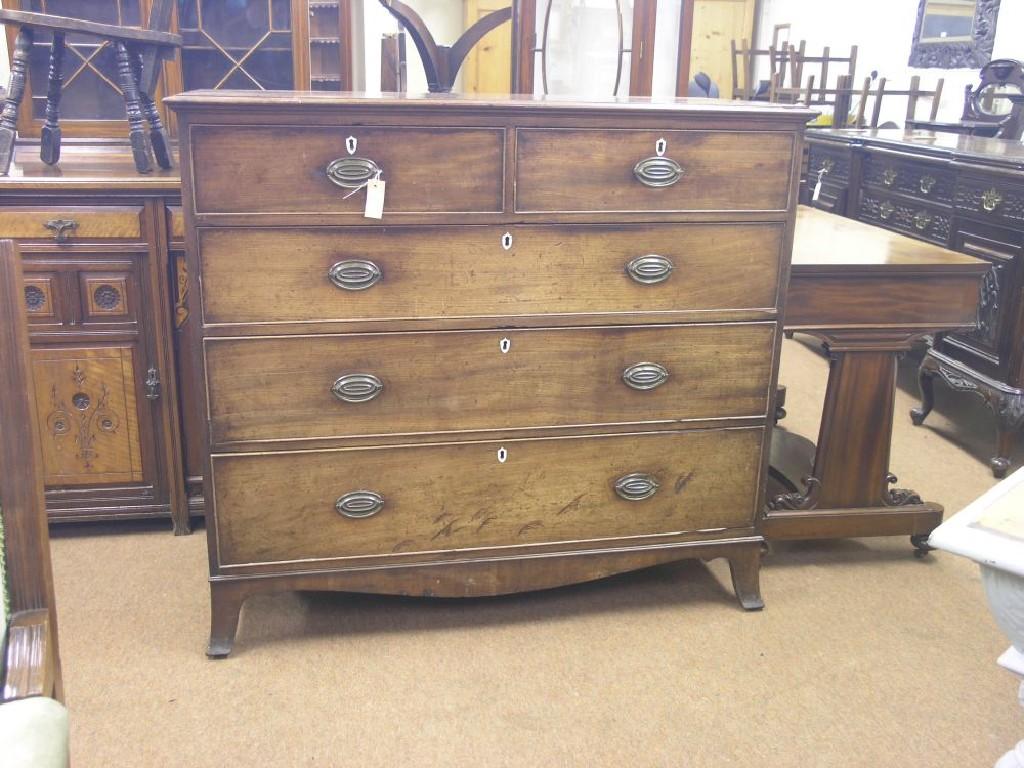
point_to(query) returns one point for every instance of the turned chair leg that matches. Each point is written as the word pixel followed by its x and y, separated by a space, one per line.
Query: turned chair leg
pixel 157 134
pixel 49 143
pixel 15 93
pixel 142 152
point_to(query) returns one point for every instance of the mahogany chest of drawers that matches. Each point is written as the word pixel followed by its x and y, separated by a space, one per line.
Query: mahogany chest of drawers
pixel 551 360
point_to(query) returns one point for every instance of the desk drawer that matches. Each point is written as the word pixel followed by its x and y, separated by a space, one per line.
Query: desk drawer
pixel 603 170
pixel 435 272
pixel 427 170
pixel 71 223
pixel 999 202
pixel 891 212
pixel 433 498
pixel 920 181
pixel 355 385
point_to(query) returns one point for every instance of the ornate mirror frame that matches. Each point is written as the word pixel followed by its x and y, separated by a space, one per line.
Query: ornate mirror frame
pixel 957 55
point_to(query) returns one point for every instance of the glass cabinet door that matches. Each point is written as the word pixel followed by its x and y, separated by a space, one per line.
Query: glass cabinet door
pixel 243 44
pixel 583 47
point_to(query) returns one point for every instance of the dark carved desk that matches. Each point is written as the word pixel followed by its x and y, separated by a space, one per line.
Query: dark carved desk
pixel 868 294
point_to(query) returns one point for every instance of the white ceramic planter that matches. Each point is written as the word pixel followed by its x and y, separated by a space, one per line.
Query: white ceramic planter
pixel 987 531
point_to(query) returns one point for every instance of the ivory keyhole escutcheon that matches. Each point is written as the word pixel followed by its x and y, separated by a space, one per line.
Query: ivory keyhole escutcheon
pixel 506 240
pixel 350 144
pixel 502 455
pixel 505 345
pixel 660 146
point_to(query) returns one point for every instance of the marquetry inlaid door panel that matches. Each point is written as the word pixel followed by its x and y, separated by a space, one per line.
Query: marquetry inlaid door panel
pixel 87 411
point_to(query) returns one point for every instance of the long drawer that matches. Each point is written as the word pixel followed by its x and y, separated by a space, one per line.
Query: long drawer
pixel 72 223
pixel 436 497
pixel 366 273
pixel 427 170
pixel 310 387
pixel 622 170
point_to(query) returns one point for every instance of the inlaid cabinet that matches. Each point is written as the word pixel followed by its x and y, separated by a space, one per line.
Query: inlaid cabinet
pixel 96 288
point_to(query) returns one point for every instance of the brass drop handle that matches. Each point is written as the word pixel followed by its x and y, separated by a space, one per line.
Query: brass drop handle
pixel 922 220
pixel 636 486
pixel 927 182
pixel 354 274
pixel 61 228
pixel 658 172
pixel 357 387
pixel 359 504
pixel 352 172
pixel 885 210
pixel 650 269
pixel 645 376
pixel 889 176
pixel 990 199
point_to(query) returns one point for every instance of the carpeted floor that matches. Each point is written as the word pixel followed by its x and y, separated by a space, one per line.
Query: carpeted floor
pixel 864 655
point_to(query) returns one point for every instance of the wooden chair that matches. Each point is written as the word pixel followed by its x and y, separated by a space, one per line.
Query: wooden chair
pixel 140 55
pixel 913 95
pixel 784 60
pixel 32 662
pixel 999 79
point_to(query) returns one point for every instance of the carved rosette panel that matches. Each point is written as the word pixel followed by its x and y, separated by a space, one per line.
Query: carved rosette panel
pixel 106 295
pixel 922 222
pixel 35 298
pixel 963 55
pixel 989 201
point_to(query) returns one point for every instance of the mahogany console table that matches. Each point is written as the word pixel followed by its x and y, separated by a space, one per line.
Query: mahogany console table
pixel 868 294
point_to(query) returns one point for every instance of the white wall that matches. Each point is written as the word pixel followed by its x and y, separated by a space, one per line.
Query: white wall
pixel 883 31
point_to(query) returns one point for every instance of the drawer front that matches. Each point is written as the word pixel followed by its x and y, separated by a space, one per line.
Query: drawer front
pixel 923 182
pixel 432 498
pixel 995 201
pixel 912 218
pixel 257 169
pixel 834 165
pixel 602 170
pixel 408 383
pixel 71 224
pixel 435 272
pixel 832 197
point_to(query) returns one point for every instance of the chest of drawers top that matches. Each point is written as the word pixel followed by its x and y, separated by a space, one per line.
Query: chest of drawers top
pixel 521 157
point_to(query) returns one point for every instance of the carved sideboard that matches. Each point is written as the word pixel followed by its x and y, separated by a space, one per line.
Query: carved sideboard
pixel 961 192
pixel 552 359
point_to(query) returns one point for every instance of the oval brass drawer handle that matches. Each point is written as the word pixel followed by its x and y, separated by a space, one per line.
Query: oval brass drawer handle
pixel 658 171
pixel 61 228
pixel 357 387
pixel 359 504
pixel 650 269
pixel 645 376
pixel 636 486
pixel 355 274
pixel 352 172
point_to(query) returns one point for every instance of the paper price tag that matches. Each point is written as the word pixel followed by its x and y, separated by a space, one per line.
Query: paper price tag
pixel 817 191
pixel 374 199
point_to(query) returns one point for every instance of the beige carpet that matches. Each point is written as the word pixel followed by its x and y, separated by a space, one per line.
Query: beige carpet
pixel 864 655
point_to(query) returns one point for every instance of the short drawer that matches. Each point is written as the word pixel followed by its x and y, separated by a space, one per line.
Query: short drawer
pixel 891 212
pixel 621 170
pixel 991 200
pixel 315 387
pixel 466 496
pixel 923 182
pixel 377 273
pixel 832 164
pixel 73 223
pixel 264 169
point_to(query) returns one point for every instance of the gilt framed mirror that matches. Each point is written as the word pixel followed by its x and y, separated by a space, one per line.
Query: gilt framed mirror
pixel 954 34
